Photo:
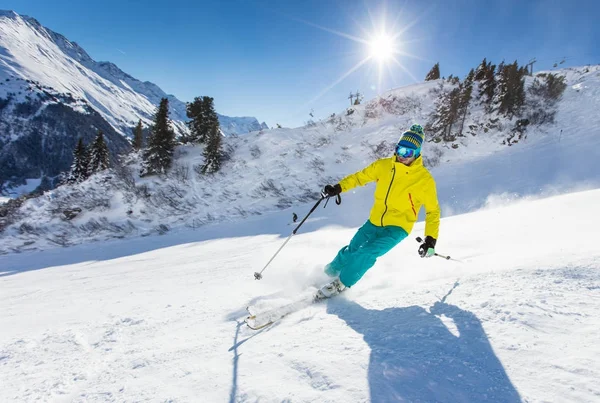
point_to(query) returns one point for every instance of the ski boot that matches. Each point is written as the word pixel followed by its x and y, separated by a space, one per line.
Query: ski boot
pixel 330 289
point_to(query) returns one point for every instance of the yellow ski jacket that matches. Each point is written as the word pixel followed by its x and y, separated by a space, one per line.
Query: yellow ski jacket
pixel 399 194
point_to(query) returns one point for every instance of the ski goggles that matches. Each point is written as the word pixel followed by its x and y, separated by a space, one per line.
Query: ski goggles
pixel 406 152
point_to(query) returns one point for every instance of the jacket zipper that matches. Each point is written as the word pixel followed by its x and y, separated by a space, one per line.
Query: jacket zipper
pixel 388 193
pixel 412 204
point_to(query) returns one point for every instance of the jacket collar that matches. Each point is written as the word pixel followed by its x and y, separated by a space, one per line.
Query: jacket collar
pixel 416 164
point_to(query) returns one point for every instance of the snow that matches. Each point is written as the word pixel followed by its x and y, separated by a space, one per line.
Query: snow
pixel 160 318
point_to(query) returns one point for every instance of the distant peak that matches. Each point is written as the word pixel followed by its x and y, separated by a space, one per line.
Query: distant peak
pixel 15 16
pixel 8 13
pixel 113 69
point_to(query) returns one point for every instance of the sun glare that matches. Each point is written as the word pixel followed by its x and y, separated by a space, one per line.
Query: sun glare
pixel 383 44
pixel 381 48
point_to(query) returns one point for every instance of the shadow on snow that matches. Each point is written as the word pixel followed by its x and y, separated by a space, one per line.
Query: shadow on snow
pixel 415 358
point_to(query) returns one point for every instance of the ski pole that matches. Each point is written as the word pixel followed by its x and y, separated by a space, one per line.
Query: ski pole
pixel 419 240
pixel 258 275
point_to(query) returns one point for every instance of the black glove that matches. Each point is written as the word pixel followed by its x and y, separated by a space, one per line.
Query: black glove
pixel 427 248
pixel 332 190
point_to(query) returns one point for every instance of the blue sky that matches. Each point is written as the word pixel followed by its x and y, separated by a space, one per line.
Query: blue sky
pixel 277 60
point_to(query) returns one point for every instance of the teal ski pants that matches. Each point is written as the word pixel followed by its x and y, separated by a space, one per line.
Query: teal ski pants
pixel 369 243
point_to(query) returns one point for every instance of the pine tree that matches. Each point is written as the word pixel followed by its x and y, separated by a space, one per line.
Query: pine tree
pixel 213 152
pixel 466 92
pixel 210 116
pixel 434 73
pixel 500 68
pixel 487 85
pixel 511 90
pixel 453 113
pixel 158 155
pixel 194 111
pixel 138 138
pixel 447 112
pixel 471 76
pixel 78 171
pixel 480 72
pixel 199 111
pixel 99 159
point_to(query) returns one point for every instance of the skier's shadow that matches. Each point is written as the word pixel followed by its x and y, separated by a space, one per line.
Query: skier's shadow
pixel 415 358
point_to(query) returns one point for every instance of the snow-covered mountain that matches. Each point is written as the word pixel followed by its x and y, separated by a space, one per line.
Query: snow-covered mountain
pixel 40 70
pixel 33 52
pixel 240 125
pixel 280 168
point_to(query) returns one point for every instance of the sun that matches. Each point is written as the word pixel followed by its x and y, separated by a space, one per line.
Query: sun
pixel 381 48
pixel 384 46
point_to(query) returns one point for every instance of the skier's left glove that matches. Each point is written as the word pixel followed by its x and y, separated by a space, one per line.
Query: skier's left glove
pixel 427 248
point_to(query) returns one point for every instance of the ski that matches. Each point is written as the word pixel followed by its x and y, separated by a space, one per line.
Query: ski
pixel 251 318
pixel 261 320
pixel 251 321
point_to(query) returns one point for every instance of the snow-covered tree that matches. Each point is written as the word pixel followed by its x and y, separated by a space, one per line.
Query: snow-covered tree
pixel 200 124
pixel 485 74
pixel 138 138
pixel 79 167
pixel 213 152
pixel 466 93
pixel 99 158
pixel 480 71
pixel 550 89
pixel 434 73
pixel 510 96
pixel 446 114
pixel 158 155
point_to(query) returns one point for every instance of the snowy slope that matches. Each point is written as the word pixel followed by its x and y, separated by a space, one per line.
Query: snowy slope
pixel 281 168
pixel 159 319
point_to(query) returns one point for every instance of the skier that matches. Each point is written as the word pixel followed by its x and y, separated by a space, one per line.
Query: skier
pixel 403 185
